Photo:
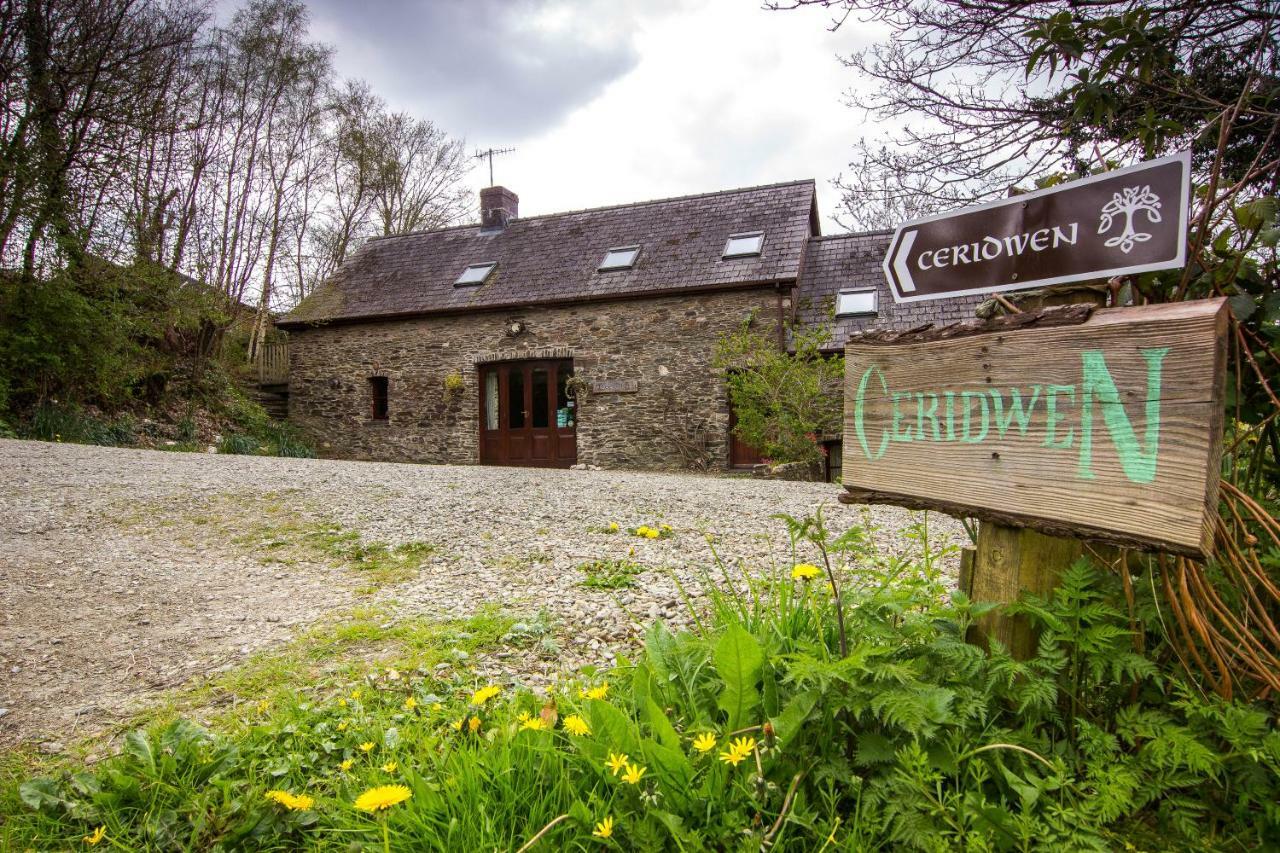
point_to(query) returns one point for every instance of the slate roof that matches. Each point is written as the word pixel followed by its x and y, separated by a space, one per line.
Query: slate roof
pixel 853 261
pixel 554 258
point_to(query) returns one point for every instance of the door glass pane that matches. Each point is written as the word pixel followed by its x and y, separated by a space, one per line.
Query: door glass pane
pixel 515 398
pixel 540 402
pixel 491 400
pixel 564 406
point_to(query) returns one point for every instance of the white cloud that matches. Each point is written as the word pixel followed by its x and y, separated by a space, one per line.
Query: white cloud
pixel 611 102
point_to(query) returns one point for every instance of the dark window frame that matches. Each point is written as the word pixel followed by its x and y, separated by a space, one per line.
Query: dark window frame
pixel 379 398
pixel 605 266
pixel 487 266
pixel 743 235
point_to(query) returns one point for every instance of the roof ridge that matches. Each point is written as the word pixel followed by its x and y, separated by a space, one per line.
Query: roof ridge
pixel 873 233
pixel 623 206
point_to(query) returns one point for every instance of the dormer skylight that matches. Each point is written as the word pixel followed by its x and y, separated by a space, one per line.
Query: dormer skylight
pixel 743 245
pixel 475 274
pixel 623 258
pixel 856 303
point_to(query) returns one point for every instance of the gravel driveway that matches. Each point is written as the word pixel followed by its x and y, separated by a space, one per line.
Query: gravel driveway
pixel 128 572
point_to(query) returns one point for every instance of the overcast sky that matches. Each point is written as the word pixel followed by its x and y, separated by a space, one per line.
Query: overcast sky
pixel 613 101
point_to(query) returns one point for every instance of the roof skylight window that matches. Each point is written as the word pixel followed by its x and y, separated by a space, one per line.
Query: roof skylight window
pixel 623 258
pixel 475 274
pixel 743 245
pixel 856 303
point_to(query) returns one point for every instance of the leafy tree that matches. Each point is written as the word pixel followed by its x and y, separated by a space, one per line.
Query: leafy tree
pixel 784 402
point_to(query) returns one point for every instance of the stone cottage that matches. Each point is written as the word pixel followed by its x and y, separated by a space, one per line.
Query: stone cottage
pixel 579 337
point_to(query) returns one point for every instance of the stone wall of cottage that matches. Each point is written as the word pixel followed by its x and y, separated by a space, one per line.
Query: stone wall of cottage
pixel 662 345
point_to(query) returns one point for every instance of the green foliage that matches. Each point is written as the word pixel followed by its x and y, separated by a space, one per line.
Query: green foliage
pixel 238 444
pixel 610 573
pixel 913 739
pixel 784 402
pixel 95 333
pixel 71 423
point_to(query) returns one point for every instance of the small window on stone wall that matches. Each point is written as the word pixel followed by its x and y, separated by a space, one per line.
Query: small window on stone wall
pixel 378 392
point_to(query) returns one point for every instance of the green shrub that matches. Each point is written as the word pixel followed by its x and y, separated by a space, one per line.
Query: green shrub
pixel 784 402
pixel 285 440
pixel 239 444
pixel 798 716
pixel 72 424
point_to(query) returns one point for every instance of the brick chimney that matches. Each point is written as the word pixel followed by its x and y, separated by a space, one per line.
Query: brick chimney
pixel 498 206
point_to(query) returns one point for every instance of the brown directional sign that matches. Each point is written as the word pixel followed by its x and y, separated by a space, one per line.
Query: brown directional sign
pixel 1128 221
pixel 1109 429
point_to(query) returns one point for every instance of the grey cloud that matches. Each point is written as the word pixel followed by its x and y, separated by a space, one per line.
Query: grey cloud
pixel 483 67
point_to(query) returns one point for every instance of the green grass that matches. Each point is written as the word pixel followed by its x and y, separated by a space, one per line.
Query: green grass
pixel 279 528
pixel 913 739
pixel 610 573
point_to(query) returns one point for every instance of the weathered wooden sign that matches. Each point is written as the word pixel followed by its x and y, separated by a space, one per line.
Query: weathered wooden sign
pixel 615 386
pixel 1109 429
pixel 1128 221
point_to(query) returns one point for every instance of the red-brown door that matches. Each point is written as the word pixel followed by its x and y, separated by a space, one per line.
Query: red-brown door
pixel 741 454
pixel 526 414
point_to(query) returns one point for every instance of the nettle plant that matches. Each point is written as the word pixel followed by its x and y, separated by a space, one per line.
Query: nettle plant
pixel 832 703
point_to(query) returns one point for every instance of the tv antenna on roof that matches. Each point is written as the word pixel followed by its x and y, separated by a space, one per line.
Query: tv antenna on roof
pixel 480 155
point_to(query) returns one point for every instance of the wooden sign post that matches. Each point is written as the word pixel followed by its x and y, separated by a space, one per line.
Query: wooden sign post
pixel 1102 425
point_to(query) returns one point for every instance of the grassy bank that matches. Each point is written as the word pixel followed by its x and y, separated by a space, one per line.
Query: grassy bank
pixel 816 710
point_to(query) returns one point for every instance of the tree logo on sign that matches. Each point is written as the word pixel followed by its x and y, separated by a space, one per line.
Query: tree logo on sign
pixel 1129 202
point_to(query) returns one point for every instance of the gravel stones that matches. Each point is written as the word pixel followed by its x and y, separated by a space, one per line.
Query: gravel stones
pixel 105 551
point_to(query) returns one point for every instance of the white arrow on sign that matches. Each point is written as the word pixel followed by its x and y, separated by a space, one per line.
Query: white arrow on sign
pixel 905 281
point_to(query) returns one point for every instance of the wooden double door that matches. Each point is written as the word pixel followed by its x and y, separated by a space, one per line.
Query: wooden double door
pixel 526 414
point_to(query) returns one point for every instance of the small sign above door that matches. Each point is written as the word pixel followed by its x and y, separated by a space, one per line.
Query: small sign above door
pixel 615 386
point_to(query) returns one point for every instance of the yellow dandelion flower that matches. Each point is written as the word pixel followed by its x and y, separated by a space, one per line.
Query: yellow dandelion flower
pixel 651 533
pixel 533 724
pixel 347 764
pixel 297 803
pixel 633 774
pixel 805 571
pixel 367 746
pixel 731 757
pixel 437 707
pixel 616 762
pixel 355 695
pixel 613 527
pixel 600 692
pixel 457 724
pixel 342 703
pixel 342 726
pixel 473 725
pixel 389 767
pixel 575 725
pixel 263 706
pixel 383 797
pixel 97 835
pixel 604 829
pixel 738 750
pixel 484 694
pixel 410 703
pixel 704 742
pixel 523 716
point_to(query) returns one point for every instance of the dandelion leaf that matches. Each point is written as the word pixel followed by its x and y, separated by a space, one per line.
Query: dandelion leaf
pixel 738 659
